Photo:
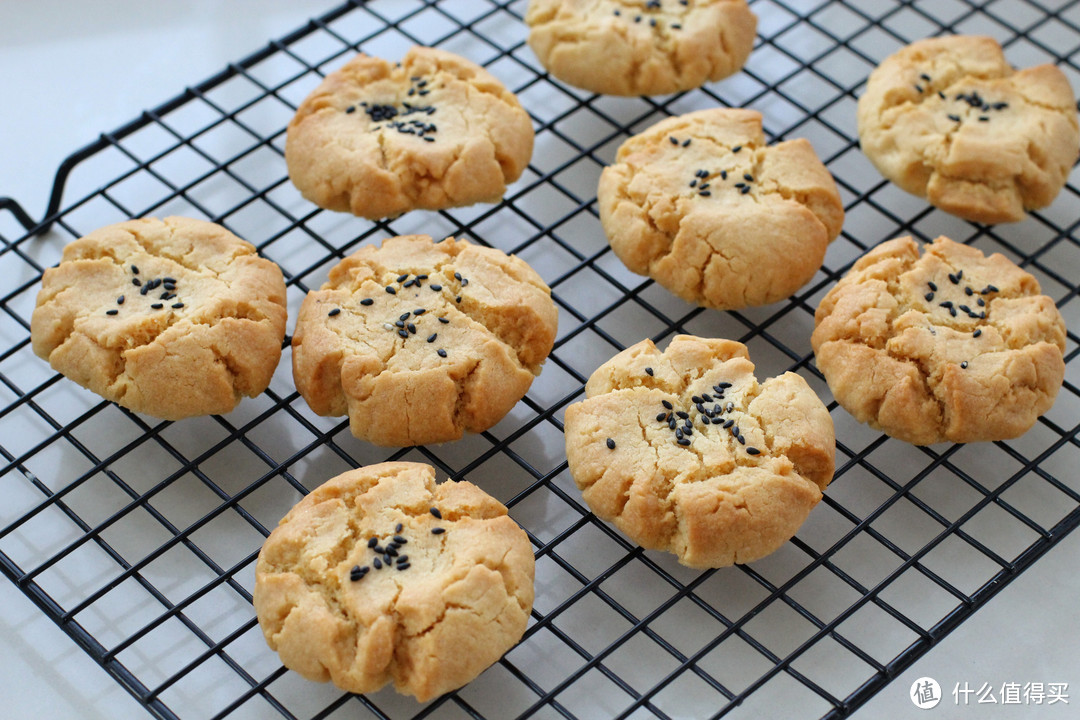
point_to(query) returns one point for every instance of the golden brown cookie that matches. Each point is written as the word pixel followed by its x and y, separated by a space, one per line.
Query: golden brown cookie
pixel 946 345
pixel 703 206
pixel 950 120
pixel 640 47
pixel 419 341
pixel 380 575
pixel 685 451
pixel 435 131
pixel 172 318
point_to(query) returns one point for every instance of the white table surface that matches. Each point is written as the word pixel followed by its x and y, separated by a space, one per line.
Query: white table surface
pixel 69 70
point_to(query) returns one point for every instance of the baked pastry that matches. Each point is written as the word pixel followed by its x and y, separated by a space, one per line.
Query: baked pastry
pixel 172 318
pixel 380 575
pixel 640 47
pixel 950 120
pixel 942 345
pixel 435 131
pixel 419 341
pixel 703 206
pixel 684 451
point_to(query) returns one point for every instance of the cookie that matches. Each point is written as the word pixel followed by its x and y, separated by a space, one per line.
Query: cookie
pixel 640 47
pixel 940 345
pixel 420 341
pixel 703 206
pixel 684 451
pixel 172 318
pixel 948 119
pixel 435 131
pixel 381 575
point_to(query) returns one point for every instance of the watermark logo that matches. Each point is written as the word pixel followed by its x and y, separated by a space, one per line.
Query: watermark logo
pixel 925 693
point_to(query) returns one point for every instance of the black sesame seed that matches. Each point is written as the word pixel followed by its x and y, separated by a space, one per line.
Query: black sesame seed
pixel 683 441
pixel 637 19
pixel 671 423
pixel 1001 105
pixel 457 299
pixel 673 140
pixel 933 286
pixel 963 365
pixel 705 420
pixel 686 142
pixel 136 282
pixel 428 138
pixel 617 12
pixel 391 551
pixel 989 289
pixel 444 321
pixel 372 542
pixel 929 296
pixel 157 306
pixel 700 408
pixel 693 183
pixel 740 185
pixel 748 177
pixel 403 333
pixel 977 333
pixel 954 279
pixel 391 290
pixel 403 316
pixel 678 433
pixel 438 531
pixel 134 270
pixel 723 174
pixel 946 304
pixel 959 274
pixel 963 308
pixel 649 371
pixel 377 563
pixel 436 288
pixel 728 424
pixel 919 88
pixel 984 118
pixel 682 414
pixel 942 95
pixel 980 302
pixel 432 336
pixel 367 301
pixel 610 444
pixel 745 190
pixel 736 149
pixel 652 22
pixel 677 26
pixel 741 439
pixel 177 306
pixel 968 291
pixel 400 324
pixel 752 451
pixel 696 400
pixel 412 328
pixel 398 538
pixel 666 404
pixel 688 430
pixel 419 311
pixel 435 511
pixel 120 300
pixel 403 566
pixel 351 109
pixel 704 186
pixel 111 312
pixel 335 311
pixel 441 353
pixel 661 417
pixel 925 77
pixel 705 193
pixel 464 282
pixel 954 118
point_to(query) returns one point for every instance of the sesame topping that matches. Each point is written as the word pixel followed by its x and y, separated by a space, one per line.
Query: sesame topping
pixel 610 443
pixel 334 312
pixel 435 511
pixel 391 290
pixel 752 451
pixel 649 371
pixel 441 353
pixel 111 312
pixel 964 365
pixel 438 531
pixel 977 333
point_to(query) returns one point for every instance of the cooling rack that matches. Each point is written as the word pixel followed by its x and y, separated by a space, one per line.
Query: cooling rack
pixel 138 538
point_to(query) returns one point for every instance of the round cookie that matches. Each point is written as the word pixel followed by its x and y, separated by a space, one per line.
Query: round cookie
pixel 685 451
pixel 640 47
pixel 381 575
pixel 172 318
pixel 432 132
pixel 419 341
pixel 946 345
pixel 948 119
pixel 702 205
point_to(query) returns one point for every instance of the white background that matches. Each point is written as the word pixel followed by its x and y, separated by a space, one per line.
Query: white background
pixel 69 70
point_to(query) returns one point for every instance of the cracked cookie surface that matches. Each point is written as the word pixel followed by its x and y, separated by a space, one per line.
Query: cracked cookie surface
pixel 173 318
pixel 684 451
pixel 943 345
pixel 381 575
pixel 948 119
pixel 435 131
pixel 419 341
pixel 640 47
pixel 703 206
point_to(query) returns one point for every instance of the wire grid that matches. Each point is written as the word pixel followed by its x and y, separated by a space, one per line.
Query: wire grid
pixel 138 538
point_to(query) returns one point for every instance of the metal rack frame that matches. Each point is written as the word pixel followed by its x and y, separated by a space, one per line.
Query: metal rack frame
pixel 906 545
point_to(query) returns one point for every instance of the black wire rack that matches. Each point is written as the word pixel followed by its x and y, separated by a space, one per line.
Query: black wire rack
pixel 138 538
